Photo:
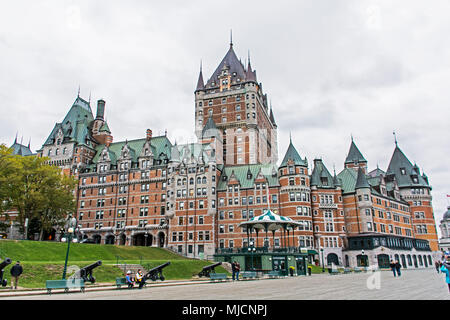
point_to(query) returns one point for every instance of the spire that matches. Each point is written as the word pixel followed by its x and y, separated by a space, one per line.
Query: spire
pixel 78 95
pixel 250 74
pixel 354 154
pixel 29 143
pixel 15 140
pixel 292 154
pixel 395 138
pixel 361 180
pixel 200 83
pixel 231 38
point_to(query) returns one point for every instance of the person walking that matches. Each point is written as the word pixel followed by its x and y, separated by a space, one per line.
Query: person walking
pixel 16 271
pixel 238 269
pixel 233 269
pixel 446 269
pixel 392 265
pixel 397 268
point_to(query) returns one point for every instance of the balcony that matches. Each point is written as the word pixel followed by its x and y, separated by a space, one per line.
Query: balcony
pixel 328 206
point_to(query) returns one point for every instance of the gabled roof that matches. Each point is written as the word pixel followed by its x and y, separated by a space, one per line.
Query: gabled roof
pixel 292 154
pixel 354 155
pixel 160 144
pixel 234 66
pixel 398 162
pixel 241 174
pixel 319 173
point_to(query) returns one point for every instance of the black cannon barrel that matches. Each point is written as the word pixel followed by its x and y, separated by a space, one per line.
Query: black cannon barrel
pixel 156 272
pixel 212 266
pixel 92 265
pixel 6 262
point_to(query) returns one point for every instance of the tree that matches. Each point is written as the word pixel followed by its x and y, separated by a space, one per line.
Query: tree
pixel 35 189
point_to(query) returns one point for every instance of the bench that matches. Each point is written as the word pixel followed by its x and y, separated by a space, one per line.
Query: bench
pixel 249 275
pixel 64 284
pixel 218 276
pixel 274 274
pixel 347 270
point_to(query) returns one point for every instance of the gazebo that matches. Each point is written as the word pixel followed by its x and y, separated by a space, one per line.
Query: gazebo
pixel 270 221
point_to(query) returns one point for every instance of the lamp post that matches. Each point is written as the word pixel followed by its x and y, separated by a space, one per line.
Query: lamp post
pixel 71 223
pixel 323 265
pixel 362 258
pixel 252 250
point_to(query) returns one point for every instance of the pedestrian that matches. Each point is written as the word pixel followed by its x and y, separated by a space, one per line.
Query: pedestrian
pixel 233 269
pixel 16 271
pixel 398 267
pixel 446 269
pixel 437 266
pixel 392 265
pixel 129 280
pixel 238 269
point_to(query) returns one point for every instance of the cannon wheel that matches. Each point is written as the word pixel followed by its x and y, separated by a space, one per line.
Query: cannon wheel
pixel 4 282
pixel 162 278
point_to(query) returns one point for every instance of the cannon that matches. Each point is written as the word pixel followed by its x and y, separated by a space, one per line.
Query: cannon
pixel 156 273
pixel 85 273
pixel 208 269
pixel 6 262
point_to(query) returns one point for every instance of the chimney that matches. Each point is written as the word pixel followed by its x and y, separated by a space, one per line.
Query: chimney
pixel 149 134
pixel 100 109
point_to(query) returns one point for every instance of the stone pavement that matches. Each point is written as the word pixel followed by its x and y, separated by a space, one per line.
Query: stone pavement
pixel 424 284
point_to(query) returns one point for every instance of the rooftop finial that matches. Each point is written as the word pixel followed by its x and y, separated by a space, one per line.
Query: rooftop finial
pixel 395 138
pixel 290 137
pixel 29 143
pixel 78 91
pixel 231 38
pixel 351 135
pixel 15 140
pixel 89 97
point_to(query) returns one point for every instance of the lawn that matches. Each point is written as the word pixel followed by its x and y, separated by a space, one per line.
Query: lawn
pixel 43 261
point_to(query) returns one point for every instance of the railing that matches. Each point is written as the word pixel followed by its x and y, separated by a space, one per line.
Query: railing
pixel 124 263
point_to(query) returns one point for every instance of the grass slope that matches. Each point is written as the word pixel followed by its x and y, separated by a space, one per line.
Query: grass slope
pixel 43 261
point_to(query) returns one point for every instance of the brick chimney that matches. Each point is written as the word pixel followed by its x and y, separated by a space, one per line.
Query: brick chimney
pixel 148 134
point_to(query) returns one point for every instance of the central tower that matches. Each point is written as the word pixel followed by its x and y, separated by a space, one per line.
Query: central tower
pixel 234 100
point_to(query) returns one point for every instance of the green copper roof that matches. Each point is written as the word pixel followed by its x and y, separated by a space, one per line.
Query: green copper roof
pixel 21 150
pixel 321 177
pixel 354 155
pixel 404 171
pixel 160 145
pixel 292 154
pixel 348 178
pixel 210 128
pixel 240 172
pixel 75 126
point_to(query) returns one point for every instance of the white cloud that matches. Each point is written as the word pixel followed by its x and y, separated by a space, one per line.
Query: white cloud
pixel 331 69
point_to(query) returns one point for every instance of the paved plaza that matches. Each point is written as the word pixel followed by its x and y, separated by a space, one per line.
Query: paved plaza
pixel 413 284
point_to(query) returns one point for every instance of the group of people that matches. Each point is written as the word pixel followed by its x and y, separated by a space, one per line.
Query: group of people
pixel 235 268
pixel 395 267
pixel 138 279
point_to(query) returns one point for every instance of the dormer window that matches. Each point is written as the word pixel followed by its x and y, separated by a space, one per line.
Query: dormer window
pixel 415 180
pixel 402 171
pixel 324 181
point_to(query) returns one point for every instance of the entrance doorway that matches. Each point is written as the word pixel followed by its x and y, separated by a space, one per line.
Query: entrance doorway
pixel 383 261
pixel 97 238
pixel 109 239
pixel 143 240
pixel 279 264
pixel 332 258
pixel 301 265
pixel 161 238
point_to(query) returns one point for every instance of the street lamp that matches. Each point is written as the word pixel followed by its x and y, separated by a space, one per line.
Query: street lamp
pixel 323 265
pixel 252 249
pixel 71 223
pixel 362 258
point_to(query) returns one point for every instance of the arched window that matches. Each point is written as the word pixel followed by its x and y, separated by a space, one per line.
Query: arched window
pixel 191 181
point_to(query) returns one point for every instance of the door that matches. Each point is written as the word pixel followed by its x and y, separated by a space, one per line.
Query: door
pixel 279 264
pixel 301 266
pixel 383 261
pixel 332 258
pixel 403 261
pixel 362 260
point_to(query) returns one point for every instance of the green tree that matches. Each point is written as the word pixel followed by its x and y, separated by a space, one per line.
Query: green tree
pixel 35 189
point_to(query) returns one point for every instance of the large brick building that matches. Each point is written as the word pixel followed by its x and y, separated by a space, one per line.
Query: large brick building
pixel 192 197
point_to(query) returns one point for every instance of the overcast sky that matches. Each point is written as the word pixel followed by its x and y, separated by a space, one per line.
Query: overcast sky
pixel 332 69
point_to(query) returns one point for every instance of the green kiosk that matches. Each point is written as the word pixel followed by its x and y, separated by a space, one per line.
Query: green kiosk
pixel 264 259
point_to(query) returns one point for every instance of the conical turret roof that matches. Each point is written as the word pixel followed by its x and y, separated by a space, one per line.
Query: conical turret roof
pixel 354 155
